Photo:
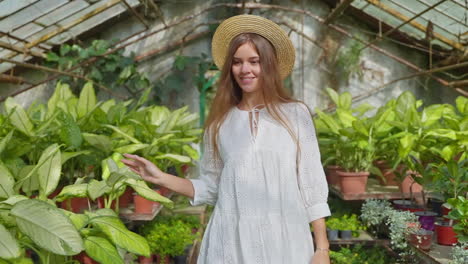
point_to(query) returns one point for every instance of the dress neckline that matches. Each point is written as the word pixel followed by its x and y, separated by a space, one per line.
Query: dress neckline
pixel 254 109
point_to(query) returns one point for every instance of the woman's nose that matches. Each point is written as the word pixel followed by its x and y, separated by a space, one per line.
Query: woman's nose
pixel 245 67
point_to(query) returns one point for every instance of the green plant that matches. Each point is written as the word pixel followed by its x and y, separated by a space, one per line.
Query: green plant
pixel 352 223
pixel 168 239
pixel 114 70
pixel 360 255
pixel 346 136
pixel 333 223
pixel 400 223
pixel 347 61
pixel 459 254
pixel 459 214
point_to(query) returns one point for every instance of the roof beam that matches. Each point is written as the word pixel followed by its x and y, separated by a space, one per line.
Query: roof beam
pixel 404 23
pixel 135 13
pixel 20 49
pixel 415 24
pixel 338 10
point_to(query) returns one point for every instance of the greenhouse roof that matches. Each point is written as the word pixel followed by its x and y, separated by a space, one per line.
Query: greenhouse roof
pixel 445 22
pixel 29 28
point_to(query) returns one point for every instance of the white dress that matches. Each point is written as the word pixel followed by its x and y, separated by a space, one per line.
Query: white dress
pixel 263 200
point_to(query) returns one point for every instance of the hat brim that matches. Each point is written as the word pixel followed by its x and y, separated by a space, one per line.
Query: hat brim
pixel 233 26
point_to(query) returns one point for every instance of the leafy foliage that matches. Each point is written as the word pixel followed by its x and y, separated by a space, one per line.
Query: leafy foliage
pixel 361 255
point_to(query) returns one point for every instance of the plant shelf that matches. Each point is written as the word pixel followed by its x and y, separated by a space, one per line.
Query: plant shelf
pixel 438 254
pixel 373 190
pixel 144 217
pixel 364 238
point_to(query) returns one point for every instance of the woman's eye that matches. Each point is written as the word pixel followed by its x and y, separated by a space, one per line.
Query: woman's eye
pixel 255 62
pixel 236 62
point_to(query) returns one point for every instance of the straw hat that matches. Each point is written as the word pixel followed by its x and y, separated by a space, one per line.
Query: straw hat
pixel 236 25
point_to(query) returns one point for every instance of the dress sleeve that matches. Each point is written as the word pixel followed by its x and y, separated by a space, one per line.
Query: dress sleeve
pixel 206 186
pixel 311 177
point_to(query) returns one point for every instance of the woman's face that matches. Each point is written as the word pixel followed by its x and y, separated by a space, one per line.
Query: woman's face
pixel 246 68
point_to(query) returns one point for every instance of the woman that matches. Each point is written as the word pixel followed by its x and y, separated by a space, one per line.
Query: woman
pixel 261 168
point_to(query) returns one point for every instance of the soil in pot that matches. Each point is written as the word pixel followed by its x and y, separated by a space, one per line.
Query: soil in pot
pixel 421 239
pixel 445 234
pixel 353 182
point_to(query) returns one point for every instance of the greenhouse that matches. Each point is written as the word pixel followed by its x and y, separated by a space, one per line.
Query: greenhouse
pixel 234 131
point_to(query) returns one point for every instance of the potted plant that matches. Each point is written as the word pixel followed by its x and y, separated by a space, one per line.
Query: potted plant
pixel 354 141
pixel 168 239
pixel 373 214
pixel 459 216
pixel 421 238
pixel 459 254
pixel 333 225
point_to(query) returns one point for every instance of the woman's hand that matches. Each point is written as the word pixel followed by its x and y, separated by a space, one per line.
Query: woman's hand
pixel 320 257
pixel 145 168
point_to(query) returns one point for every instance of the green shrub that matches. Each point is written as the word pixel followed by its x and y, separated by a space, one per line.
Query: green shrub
pixel 360 255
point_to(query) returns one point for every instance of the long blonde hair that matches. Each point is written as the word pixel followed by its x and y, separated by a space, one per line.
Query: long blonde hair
pixel 229 94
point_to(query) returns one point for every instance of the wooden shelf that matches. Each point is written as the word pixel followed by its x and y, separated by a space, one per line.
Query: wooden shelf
pixel 373 190
pixel 132 216
pixel 437 254
pixel 364 238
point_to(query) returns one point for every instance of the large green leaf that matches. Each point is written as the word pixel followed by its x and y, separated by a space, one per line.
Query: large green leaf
pixel 130 148
pixel 333 95
pixel 74 190
pixel 345 101
pixel 174 157
pixel 101 250
pixel 99 141
pixel 462 104
pixel 18 117
pixel 405 102
pixel 32 182
pixel 87 100
pixel 143 190
pixel 97 189
pixel 69 155
pixel 116 231
pixel 61 94
pixel 48 227
pixel 70 132
pixel 78 220
pixel 50 168
pixel 123 134
pixel 7 182
pixel 171 121
pixel 9 247
pixel 191 152
pixel 5 141
pixel 345 117
pixel 329 121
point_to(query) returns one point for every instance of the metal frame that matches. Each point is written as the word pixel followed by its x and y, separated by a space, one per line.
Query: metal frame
pixel 135 13
pixel 415 24
pixel 402 24
pixel 338 10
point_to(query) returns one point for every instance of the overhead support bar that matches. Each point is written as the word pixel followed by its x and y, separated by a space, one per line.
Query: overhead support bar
pixel 338 10
pixel 135 13
pixel 20 49
pixel 404 23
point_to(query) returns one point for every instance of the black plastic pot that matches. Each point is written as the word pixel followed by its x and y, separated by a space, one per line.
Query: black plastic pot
pixel 180 259
pixel 332 234
pixel 436 205
pixel 346 234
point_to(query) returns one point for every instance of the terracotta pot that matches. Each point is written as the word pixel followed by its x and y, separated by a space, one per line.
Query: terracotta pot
pixel 126 198
pixel 445 234
pixel 332 177
pixel 353 182
pixel 409 186
pixel 427 219
pixel 76 204
pixel 85 259
pixel 146 260
pixel 142 205
pixel 422 239
pixel 165 260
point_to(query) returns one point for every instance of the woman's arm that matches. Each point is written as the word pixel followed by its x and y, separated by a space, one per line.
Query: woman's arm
pixel 322 246
pixel 151 173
